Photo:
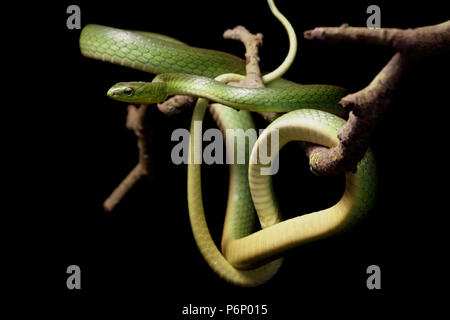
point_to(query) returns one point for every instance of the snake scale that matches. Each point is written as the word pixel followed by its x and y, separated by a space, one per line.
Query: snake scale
pixel 312 114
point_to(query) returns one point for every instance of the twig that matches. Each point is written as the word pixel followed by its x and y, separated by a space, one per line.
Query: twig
pixel 136 122
pixel 123 188
pixel 368 105
pixel 176 104
pixel 251 42
pixel 253 78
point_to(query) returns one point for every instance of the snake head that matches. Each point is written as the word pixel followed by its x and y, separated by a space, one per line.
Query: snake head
pixel 138 92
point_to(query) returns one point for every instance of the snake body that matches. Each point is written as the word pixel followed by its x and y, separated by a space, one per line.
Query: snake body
pixel 284 99
pixel 247 257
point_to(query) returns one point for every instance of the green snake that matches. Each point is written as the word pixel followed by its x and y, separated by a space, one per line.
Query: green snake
pixel 248 258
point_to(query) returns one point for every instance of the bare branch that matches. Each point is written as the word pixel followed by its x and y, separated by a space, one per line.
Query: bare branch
pixel 136 122
pixel 419 41
pixel 123 188
pixel 176 104
pixel 253 77
pixel 368 105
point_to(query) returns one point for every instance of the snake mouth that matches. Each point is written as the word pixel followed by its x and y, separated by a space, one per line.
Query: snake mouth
pixel 112 92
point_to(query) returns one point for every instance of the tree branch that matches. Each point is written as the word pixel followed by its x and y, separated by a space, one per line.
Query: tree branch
pixel 135 121
pixel 253 78
pixel 176 104
pixel 367 106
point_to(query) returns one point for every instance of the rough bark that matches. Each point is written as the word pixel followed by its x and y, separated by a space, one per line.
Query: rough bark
pixel 367 106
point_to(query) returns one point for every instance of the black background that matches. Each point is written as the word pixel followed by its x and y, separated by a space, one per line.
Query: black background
pixel 144 251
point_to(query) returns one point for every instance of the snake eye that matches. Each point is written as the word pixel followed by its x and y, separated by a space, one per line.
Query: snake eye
pixel 128 91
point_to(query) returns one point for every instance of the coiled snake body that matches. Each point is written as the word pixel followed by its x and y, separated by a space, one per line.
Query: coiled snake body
pixel 246 258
